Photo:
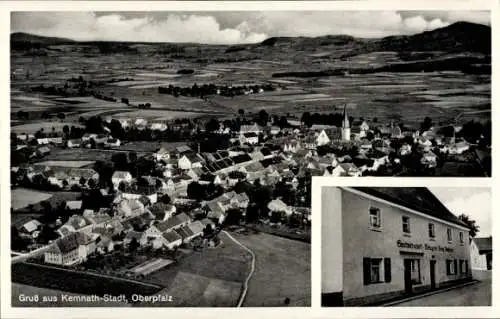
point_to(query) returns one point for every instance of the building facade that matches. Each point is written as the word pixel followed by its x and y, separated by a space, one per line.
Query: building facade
pixel 481 251
pixel 378 246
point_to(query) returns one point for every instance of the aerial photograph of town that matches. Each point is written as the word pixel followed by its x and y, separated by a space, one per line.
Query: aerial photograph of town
pixel 165 159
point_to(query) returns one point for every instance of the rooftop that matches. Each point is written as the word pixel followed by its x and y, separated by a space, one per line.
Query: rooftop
pixel 420 199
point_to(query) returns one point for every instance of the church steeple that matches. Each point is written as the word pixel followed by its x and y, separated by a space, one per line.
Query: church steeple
pixel 345 121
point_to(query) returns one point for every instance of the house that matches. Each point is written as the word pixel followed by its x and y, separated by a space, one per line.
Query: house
pixel 162 211
pixel 277 205
pixel 74 143
pixel 292 145
pixel 139 222
pixel 139 237
pixel 216 211
pixel 158 126
pixel 274 130
pixel 96 218
pixel 62 176
pixel 424 143
pixel 254 128
pixel 429 159
pixel 322 139
pixel 346 169
pixel 112 142
pixel 206 222
pixel 74 205
pixel 481 251
pixel 395 132
pixel 458 148
pixel 190 160
pixel 171 239
pixel 70 250
pixel 31 226
pixel 173 223
pixel 43 151
pixel 195 173
pixel 104 244
pixel 191 231
pixel 162 154
pixel 425 252
pixel 405 149
pixel 121 176
pixel 364 126
pixel 249 138
pixel 129 207
pixel 183 149
pixel 147 194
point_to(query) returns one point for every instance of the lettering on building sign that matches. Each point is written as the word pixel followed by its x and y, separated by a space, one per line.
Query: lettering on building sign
pixel 403 244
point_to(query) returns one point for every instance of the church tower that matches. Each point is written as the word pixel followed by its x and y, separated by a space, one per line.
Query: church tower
pixel 346 127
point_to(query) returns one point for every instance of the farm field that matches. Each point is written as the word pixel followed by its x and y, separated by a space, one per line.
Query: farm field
pixel 73 164
pixel 209 277
pixel 46 126
pixel 22 197
pixel 283 270
pixel 79 154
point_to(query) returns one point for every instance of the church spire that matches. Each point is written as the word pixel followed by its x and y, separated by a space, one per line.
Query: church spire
pixel 345 121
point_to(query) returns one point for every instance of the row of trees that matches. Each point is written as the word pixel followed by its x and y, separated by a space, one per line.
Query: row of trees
pixel 212 89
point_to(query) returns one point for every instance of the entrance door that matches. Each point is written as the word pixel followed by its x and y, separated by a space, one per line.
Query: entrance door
pixel 407 273
pixel 433 274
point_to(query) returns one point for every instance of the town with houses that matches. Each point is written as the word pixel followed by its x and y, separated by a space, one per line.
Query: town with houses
pixel 183 194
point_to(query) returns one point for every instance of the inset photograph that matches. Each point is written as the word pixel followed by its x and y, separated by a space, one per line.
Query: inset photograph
pixel 406 246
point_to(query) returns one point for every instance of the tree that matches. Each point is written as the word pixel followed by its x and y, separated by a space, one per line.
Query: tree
pixel 426 124
pixel 307 119
pixel 83 181
pixel 66 129
pixel 263 118
pixel 165 199
pixel 132 157
pixel 473 228
pixel 120 161
pixel 61 116
pixel 241 112
pixel 212 125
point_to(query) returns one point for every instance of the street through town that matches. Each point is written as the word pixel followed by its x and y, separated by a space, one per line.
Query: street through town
pixel 478 294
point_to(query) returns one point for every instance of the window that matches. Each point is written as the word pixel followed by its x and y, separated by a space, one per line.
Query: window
pixel 451 267
pixel 406 224
pixel 415 271
pixel 462 267
pixel 448 233
pixel 376 270
pixel 461 234
pixel 432 231
pixel 375 217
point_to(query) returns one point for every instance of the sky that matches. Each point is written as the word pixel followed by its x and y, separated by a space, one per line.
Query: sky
pixel 475 202
pixel 224 27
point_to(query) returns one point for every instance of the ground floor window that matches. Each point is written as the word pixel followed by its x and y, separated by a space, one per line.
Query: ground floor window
pixel 415 271
pixel 376 270
pixel 464 266
pixel 451 267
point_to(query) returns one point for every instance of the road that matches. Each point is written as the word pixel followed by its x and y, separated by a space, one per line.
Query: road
pixel 478 294
pixel 250 274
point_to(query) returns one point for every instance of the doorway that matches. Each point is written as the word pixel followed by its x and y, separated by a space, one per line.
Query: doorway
pixel 407 276
pixel 433 274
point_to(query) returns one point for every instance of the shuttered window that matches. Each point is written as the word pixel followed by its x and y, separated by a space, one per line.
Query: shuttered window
pixel 366 271
pixel 387 269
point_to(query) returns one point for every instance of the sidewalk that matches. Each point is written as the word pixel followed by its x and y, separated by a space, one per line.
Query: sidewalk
pixel 404 299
